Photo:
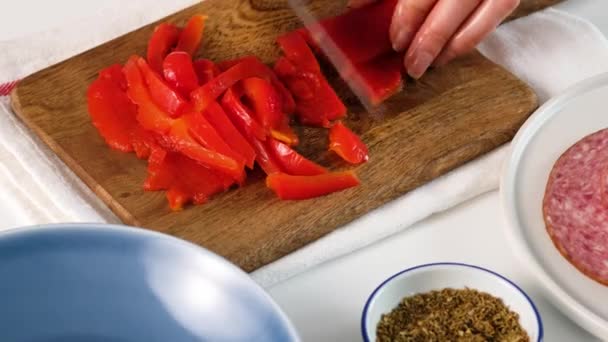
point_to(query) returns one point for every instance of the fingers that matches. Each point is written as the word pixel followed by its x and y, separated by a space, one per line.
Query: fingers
pixel 440 25
pixel 485 19
pixel 408 18
pixel 359 3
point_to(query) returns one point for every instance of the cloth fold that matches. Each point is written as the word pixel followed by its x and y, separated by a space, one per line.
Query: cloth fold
pixel 550 50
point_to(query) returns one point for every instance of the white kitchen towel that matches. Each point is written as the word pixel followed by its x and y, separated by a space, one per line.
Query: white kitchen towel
pixel 550 50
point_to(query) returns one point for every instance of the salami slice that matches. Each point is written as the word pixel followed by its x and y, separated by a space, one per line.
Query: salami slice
pixel 574 206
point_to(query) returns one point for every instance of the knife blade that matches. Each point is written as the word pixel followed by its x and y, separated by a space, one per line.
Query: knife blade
pixel 336 57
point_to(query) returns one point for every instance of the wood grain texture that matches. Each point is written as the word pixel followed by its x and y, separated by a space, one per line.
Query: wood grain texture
pixel 452 116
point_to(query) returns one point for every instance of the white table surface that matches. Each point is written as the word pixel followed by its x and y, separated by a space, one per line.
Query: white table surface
pixel 326 302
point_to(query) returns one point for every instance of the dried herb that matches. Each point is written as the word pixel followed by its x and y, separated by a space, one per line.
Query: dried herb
pixel 451 315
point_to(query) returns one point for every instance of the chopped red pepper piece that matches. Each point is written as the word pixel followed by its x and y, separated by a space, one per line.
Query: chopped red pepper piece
pixel 174 132
pixel 289 187
pixel 144 142
pixel 264 101
pixel 316 101
pixel 114 73
pixel 207 94
pixel 166 98
pixel 206 70
pixel 285 134
pixel 347 144
pixel 265 158
pixel 185 179
pixel 222 124
pixel 203 132
pixel 381 77
pixel 289 104
pixel 241 116
pixel 179 73
pixel 292 162
pixel 111 111
pixel 164 38
pixel 149 116
pixel 180 140
pixel 192 35
pixel 361 34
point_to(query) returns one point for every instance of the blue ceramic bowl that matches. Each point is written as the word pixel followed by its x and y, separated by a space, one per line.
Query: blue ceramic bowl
pixel 117 284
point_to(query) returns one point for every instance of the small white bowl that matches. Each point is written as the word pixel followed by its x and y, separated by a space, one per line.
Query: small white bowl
pixel 438 276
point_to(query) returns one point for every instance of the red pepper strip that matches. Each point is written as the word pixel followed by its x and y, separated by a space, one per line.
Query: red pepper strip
pixel 289 187
pixel 241 116
pixel 174 132
pixel 264 101
pixel 181 141
pixel 112 113
pixel 222 124
pixel 179 72
pixel 381 78
pixel 166 98
pixel 114 73
pixel 203 132
pixel 207 94
pixel 298 53
pixel 361 34
pixel 185 179
pixel 292 162
pixel 285 134
pixel 347 144
pixel 192 35
pixel 144 142
pixel 149 116
pixel 164 38
pixel 317 102
pixel 265 158
pixel 206 70
pixel 289 104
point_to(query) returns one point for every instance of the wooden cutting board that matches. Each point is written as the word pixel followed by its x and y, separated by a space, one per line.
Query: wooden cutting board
pixel 450 117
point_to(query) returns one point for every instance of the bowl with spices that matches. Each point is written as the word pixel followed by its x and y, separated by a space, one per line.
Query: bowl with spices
pixel 450 302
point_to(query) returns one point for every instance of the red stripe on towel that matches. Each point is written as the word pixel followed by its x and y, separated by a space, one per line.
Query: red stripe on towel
pixel 6 88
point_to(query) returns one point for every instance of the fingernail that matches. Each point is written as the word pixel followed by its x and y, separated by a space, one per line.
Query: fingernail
pixel 402 39
pixel 421 62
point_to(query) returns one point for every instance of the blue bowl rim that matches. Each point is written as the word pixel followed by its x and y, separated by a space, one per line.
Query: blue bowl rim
pixel 375 292
pixel 23 232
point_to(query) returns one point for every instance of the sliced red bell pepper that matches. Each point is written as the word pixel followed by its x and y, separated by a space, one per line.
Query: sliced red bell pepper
pixel 222 124
pixel 203 132
pixel 265 158
pixel 285 134
pixel 241 116
pixel 179 72
pixel 149 115
pixel 181 141
pixel 185 179
pixel 144 142
pixel 289 187
pixel 381 77
pixel 112 113
pixel 114 73
pixel 164 38
pixel 292 162
pixel 265 102
pixel 361 34
pixel 161 93
pixel 316 101
pixel 206 70
pixel 174 132
pixel 347 144
pixel 265 73
pixel 192 35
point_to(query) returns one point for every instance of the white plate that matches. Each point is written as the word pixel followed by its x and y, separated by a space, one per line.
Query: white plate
pixel 555 127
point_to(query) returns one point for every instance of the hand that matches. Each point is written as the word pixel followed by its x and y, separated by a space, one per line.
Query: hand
pixel 433 32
